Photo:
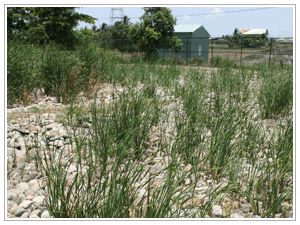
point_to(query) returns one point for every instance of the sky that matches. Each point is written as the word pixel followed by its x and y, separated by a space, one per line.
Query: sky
pixel 217 20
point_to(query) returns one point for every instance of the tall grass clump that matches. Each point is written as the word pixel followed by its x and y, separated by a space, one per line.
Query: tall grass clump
pixel 276 93
pixel 165 75
pixel 22 71
pixel 93 68
pixel 102 186
pixel 132 118
pixel 223 147
pixel 218 61
pixel 269 182
pixel 109 179
pixel 61 73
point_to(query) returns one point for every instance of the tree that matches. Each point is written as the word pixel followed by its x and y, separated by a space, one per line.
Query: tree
pixel 104 27
pixel 16 19
pixel 155 30
pixel 94 28
pixel 86 33
pixel 236 36
pixel 49 23
pixel 120 35
pixel 126 21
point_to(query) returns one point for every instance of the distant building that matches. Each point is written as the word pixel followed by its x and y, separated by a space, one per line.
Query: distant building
pixel 259 37
pixel 254 31
pixel 284 40
pixel 195 40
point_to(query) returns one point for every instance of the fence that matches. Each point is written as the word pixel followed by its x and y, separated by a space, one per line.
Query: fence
pixel 242 51
pixel 273 50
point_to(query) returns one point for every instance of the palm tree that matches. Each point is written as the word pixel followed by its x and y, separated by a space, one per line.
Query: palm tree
pixel 125 20
pixel 104 27
pixel 94 28
pixel 236 35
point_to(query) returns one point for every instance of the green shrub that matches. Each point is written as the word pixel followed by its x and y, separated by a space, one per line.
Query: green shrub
pixel 218 61
pixel 229 63
pixel 92 68
pixel 196 61
pixel 22 71
pixel 61 73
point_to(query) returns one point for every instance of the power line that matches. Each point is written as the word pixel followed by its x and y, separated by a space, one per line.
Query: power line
pixel 206 14
pixel 244 10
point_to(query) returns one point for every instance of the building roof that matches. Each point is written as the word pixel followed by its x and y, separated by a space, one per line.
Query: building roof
pixel 187 28
pixel 254 31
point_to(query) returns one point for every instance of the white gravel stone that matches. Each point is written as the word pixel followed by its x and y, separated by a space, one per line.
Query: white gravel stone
pixel 10 204
pixel 45 214
pixel 30 196
pixel 14 209
pixel 72 169
pixel 26 204
pixel 12 196
pixel 35 213
pixel 187 181
pixel 39 200
pixel 33 216
pixel 217 211
pixel 236 215
pixel 32 183
pixel 23 187
pixel 19 212
pixel 37 187
pixel 25 215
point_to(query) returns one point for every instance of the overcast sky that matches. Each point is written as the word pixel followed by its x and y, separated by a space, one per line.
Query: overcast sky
pixel 218 21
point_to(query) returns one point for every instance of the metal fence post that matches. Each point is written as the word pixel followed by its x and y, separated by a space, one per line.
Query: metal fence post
pixel 270 52
pixel 186 51
pixel 212 49
pixel 241 51
pixel 122 48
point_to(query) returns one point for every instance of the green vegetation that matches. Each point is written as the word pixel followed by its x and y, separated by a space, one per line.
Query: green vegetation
pixel 37 24
pixel 276 94
pixel 246 40
pixel 218 61
pixel 213 124
pixel 156 31
pixel 23 62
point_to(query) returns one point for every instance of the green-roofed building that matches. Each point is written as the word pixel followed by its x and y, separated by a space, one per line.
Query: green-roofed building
pixel 195 40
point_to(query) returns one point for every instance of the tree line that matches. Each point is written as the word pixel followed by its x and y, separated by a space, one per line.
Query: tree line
pixel 245 40
pixel 42 25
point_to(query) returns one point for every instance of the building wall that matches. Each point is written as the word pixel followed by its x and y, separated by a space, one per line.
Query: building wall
pixel 186 39
pixel 194 44
pixel 200 46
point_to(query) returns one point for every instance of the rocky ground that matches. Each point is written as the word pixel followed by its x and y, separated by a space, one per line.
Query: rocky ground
pixel 26 183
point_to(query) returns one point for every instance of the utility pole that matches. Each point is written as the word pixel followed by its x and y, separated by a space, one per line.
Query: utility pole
pixel 113 17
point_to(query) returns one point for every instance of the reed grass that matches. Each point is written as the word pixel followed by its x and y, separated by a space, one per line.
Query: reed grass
pixel 205 121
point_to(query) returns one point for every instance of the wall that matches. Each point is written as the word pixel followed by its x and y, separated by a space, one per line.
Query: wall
pixel 191 43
